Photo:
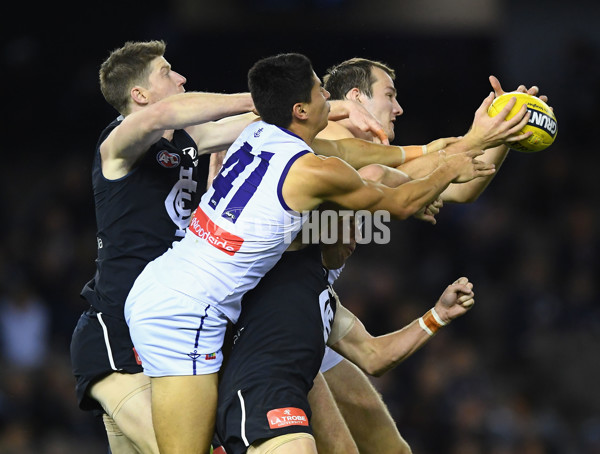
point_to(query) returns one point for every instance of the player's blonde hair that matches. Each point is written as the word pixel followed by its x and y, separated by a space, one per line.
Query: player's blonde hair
pixel 353 73
pixel 126 67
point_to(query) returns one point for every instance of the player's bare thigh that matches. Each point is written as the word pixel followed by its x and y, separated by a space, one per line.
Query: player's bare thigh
pixel 364 411
pixel 331 432
pixel 183 411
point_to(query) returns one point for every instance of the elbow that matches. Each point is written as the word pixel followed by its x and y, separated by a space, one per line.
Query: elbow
pixel 161 116
pixel 372 172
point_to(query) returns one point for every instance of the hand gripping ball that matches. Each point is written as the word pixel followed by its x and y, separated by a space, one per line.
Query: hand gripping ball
pixel 542 121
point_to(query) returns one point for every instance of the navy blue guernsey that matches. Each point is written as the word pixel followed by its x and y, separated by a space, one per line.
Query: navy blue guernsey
pixel 281 330
pixel 278 346
pixel 140 215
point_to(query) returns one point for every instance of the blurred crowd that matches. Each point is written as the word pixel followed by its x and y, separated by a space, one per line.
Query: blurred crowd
pixel 517 374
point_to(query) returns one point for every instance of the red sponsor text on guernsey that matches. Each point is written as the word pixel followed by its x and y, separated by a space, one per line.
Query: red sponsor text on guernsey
pixel 283 417
pixel 218 237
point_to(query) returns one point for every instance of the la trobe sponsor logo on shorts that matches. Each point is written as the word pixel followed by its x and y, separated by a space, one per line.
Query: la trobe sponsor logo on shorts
pixel 284 417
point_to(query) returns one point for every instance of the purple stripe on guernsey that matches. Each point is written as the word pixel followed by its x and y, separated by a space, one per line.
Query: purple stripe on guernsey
pixel 195 355
pixel 284 175
pixel 287 168
pixel 247 189
pixel 291 133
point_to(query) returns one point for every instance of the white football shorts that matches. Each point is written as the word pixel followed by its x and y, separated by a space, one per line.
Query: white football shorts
pixel 331 358
pixel 172 333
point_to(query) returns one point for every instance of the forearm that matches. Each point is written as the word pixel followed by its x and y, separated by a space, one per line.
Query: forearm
pixel 187 109
pixel 392 349
pixel 421 167
pixel 410 197
pixel 218 135
pixel 359 153
pixel 377 355
pixel 470 192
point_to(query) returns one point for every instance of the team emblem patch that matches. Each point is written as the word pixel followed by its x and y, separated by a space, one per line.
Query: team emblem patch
pixel 284 417
pixel 168 160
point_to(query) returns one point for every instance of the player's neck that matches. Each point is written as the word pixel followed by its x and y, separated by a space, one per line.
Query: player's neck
pixel 304 131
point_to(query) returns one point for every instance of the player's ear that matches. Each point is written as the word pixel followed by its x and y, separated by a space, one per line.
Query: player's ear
pixel 138 94
pixel 353 94
pixel 300 111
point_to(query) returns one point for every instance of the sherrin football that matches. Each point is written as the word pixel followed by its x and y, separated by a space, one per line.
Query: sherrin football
pixel 542 121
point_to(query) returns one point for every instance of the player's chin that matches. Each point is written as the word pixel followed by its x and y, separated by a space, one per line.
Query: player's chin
pixel 390 133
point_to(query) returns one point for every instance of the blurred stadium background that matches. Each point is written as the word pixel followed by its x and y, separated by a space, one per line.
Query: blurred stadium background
pixel 518 374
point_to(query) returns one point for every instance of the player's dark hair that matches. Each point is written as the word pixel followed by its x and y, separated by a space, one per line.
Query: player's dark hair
pixel 277 83
pixel 126 67
pixel 353 73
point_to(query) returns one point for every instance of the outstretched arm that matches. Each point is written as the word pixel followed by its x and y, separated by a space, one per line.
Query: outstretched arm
pixel 485 132
pixel 493 156
pixel 359 153
pixel 218 135
pixel 140 129
pixel 377 355
pixel 469 192
pixel 313 180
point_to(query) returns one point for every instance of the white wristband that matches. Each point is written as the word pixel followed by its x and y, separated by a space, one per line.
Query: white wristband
pixel 424 326
pixel 430 322
pixel 437 317
pixel 403 159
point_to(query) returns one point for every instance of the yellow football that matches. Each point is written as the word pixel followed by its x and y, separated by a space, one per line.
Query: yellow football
pixel 542 121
